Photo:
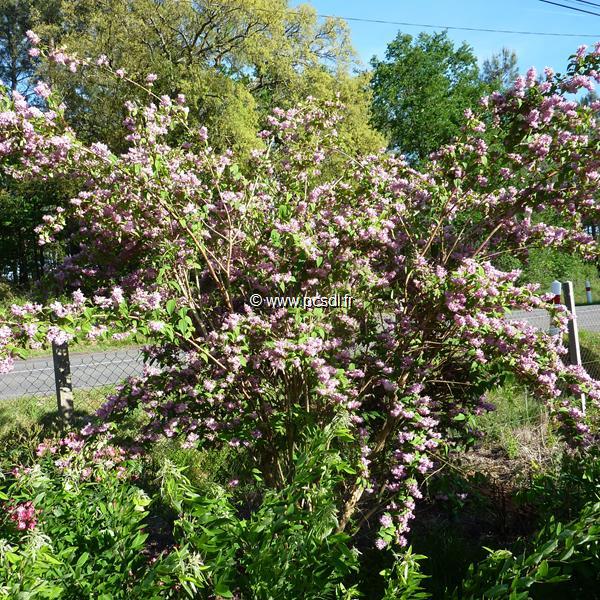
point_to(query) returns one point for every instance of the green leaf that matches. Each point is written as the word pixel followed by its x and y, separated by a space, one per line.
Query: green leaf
pixel 542 570
pixel 139 540
pixel 568 554
pixel 222 589
pixel 275 238
pixel 20 352
pixel 171 305
pixel 53 561
pixel 82 560
pixel 183 325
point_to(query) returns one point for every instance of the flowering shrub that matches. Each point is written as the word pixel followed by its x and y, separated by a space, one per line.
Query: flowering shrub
pixel 174 239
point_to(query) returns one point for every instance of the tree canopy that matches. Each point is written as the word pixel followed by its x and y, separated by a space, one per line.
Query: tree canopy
pixel 501 69
pixel 421 90
pixel 16 65
pixel 234 60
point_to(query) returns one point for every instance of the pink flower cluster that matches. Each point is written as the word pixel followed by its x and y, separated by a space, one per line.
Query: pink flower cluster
pixel 24 515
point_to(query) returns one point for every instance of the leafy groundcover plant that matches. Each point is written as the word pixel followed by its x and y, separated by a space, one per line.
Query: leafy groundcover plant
pixel 72 525
pixel 207 258
pixel 75 526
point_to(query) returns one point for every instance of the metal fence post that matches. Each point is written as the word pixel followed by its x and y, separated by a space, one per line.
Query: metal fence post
pixel 555 289
pixel 574 349
pixel 62 378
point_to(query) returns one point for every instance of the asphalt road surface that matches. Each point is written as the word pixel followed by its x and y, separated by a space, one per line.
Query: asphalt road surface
pixel 35 376
pixel 588 318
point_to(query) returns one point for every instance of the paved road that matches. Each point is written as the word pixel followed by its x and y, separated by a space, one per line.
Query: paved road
pixel 96 369
pixel 588 318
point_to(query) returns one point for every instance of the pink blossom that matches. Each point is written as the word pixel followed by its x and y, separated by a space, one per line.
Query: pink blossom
pixel 386 520
pixel 24 515
pixel 156 326
pixel 380 544
pixel 33 38
pixel 42 90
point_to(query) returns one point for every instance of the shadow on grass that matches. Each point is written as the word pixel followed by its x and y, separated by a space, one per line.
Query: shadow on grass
pixel 42 411
pixel 54 421
pixel 26 421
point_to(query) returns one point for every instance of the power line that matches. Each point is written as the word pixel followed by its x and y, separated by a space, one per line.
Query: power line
pixel 587 2
pixel 430 26
pixel 581 10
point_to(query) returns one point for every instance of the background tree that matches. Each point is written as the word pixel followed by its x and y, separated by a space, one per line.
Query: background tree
pixel 421 90
pixel 22 206
pixel 16 65
pixel 590 98
pixel 234 60
pixel 19 257
pixel 501 69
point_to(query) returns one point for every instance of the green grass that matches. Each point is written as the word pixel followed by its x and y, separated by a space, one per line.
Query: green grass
pixel 29 412
pixel 585 303
pixel 589 342
pixel 201 466
pixel 519 427
pixel 580 295
pixel 515 407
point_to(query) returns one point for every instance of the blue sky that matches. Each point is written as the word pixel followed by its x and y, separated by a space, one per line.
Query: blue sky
pixel 524 15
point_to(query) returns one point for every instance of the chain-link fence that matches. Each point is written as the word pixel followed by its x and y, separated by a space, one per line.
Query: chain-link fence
pixel 94 375
pixel 587 331
pixel 588 321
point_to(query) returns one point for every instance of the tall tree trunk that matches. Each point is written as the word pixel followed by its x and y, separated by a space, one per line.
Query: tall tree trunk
pixel 22 258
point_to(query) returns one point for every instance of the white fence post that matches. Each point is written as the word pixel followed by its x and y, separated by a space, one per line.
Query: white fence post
pixel 62 378
pixel 574 349
pixel 555 290
pixel 588 291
